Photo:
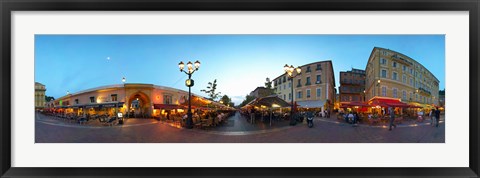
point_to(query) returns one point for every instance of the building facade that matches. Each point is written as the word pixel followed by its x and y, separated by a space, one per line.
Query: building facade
pixel 136 100
pixel 261 92
pixel 352 85
pixel 393 74
pixel 39 95
pixel 441 98
pixel 314 87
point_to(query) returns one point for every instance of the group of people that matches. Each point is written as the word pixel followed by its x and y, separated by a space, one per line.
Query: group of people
pixel 435 117
pixel 352 118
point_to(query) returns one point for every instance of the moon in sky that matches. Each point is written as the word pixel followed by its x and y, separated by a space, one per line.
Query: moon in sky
pixel 108 58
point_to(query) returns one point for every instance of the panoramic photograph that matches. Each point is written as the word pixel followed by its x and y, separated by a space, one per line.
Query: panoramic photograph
pixel 239 88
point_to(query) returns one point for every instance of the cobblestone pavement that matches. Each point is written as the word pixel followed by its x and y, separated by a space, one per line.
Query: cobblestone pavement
pixel 48 130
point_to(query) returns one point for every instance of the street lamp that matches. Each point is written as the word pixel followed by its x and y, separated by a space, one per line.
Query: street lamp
pixel 191 68
pixel 364 95
pixel 378 84
pixel 125 91
pixel 289 70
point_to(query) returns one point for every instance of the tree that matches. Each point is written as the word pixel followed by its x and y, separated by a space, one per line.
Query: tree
pixel 49 98
pixel 210 91
pixel 227 101
pixel 268 83
pixel 248 98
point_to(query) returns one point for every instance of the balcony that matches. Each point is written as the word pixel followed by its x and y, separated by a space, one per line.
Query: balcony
pixel 420 89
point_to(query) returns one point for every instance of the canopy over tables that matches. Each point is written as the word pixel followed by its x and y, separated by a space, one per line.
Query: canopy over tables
pixel 387 102
pixel 168 106
pixel 353 104
pixel 310 104
pixel 269 102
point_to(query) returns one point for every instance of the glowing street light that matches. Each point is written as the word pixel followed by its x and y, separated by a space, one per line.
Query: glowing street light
pixel 289 70
pixel 191 68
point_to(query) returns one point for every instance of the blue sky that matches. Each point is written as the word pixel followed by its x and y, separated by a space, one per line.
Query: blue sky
pixel 240 63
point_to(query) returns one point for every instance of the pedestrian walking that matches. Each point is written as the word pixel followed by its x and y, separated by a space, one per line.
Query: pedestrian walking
pixel 392 118
pixel 432 117
pixel 437 117
pixel 252 116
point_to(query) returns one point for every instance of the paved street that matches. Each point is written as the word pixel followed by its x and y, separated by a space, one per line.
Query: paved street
pixel 49 130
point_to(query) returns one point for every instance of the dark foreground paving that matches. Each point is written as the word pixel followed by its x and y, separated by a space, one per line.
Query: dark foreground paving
pixel 51 131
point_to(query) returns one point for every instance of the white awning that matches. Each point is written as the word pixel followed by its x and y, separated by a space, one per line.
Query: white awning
pixel 310 104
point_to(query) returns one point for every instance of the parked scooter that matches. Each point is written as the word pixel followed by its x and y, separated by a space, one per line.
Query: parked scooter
pixel 310 122
pixel 309 116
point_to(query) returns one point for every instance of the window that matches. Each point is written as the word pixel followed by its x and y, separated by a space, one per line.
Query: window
pixel 308 69
pixel 308 81
pixel 299 94
pixel 299 84
pixel 319 92
pixel 411 81
pixel 289 84
pixel 308 93
pixel 167 99
pixel 384 73
pixel 404 68
pixel 411 96
pixel 319 67
pixel 411 71
pixel 76 101
pixel 394 64
pixel 383 61
pixel 395 93
pixel 384 91
pixel 284 86
pixel 284 79
pixel 290 96
pixel 404 95
pixel 114 97
pixel 92 99
pixel 284 97
pixel 404 78
pixel 385 53
pixel 394 76
pixel 318 79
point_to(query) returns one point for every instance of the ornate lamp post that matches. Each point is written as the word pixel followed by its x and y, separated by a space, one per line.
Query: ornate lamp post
pixel 289 70
pixel 378 85
pixel 364 95
pixel 126 103
pixel 191 68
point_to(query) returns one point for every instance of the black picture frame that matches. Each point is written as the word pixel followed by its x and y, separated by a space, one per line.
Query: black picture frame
pixel 8 6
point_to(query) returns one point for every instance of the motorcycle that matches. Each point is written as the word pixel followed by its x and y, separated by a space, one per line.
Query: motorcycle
pixel 310 122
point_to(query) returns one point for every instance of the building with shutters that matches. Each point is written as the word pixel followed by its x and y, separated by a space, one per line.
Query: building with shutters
pixel 313 88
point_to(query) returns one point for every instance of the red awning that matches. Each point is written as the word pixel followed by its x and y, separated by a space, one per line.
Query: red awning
pixel 167 106
pixel 388 102
pixel 353 104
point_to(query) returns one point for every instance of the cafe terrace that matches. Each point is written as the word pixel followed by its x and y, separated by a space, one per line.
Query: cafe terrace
pixel 143 101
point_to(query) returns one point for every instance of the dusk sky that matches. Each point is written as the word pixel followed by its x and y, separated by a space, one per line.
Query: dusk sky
pixel 240 63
